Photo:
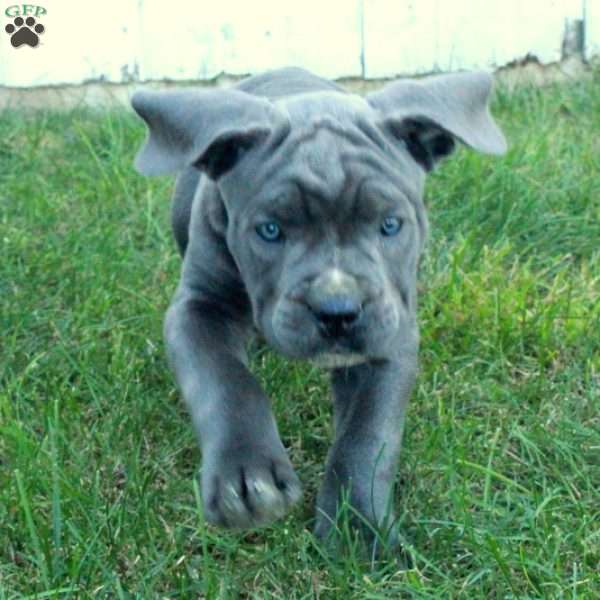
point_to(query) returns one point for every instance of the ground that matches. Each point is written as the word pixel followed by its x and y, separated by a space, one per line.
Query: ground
pixel 499 483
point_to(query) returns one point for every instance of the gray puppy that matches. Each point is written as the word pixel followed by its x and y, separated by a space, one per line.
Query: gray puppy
pixel 298 211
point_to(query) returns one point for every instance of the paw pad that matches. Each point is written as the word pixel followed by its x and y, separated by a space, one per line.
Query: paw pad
pixel 24 31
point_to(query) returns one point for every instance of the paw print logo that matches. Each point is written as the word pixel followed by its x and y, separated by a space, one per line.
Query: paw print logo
pixel 24 31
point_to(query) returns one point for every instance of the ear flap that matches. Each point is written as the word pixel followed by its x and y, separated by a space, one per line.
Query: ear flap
pixel 209 129
pixel 429 114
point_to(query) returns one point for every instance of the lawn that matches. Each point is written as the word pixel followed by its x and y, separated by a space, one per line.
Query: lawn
pixel 499 483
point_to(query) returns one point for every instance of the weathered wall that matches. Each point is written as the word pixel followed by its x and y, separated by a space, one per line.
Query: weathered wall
pixel 121 40
pixel 131 41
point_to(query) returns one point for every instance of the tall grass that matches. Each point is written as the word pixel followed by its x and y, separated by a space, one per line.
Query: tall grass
pixel 499 486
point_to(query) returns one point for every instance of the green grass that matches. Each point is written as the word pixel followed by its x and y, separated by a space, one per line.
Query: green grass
pixel 499 485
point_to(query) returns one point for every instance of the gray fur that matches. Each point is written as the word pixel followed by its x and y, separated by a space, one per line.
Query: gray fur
pixel 329 168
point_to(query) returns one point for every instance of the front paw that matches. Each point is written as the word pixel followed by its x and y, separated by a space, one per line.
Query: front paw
pixel 347 520
pixel 248 487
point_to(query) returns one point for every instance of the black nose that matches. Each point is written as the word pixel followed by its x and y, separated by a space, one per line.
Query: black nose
pixel 337 315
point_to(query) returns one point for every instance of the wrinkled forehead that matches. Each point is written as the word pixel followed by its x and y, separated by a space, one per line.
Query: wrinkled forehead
pixel 333 144
pixel 325 130
pixel 318 160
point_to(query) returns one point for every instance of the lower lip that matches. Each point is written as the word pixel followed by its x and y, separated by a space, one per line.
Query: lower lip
pixel 330 360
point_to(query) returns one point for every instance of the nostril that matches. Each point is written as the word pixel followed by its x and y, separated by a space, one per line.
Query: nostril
pixel 337 314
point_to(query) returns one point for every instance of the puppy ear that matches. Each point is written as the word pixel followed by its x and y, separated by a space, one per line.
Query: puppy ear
pixel 429 114
pixel 208 129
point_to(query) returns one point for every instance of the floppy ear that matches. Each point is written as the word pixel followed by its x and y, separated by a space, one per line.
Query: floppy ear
pixel 208 129
pixel 429 114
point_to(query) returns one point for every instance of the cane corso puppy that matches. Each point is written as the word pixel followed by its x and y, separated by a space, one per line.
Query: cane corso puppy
pixel 298 212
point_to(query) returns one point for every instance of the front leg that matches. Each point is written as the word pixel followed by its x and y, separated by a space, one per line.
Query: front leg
pixel 247 477
pixel 369 407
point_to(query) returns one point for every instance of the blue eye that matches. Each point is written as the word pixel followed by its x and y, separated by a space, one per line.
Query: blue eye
pixel 391 226
pixel 269 232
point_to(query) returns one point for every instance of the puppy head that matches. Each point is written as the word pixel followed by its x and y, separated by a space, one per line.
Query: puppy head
pixel 323 196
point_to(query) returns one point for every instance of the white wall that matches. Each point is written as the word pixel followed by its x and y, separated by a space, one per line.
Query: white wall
pixel 138 40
